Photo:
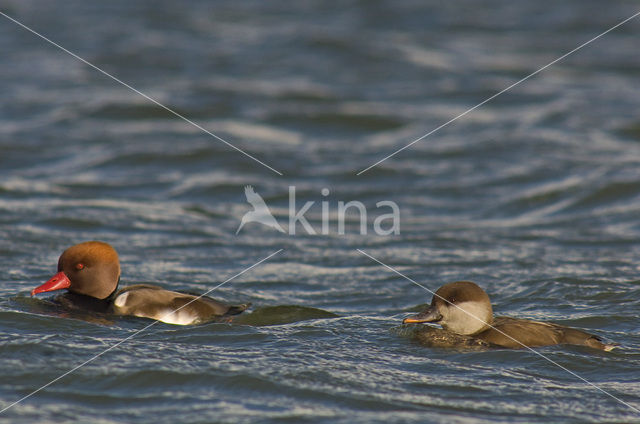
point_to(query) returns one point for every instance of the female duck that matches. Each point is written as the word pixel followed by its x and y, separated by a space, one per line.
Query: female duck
pixel 464 309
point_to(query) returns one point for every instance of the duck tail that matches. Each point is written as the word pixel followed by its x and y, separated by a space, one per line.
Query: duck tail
pixel 597 343
pixel 578 337
pixel 237 309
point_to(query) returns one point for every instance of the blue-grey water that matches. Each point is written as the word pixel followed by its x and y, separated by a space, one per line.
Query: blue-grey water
pixel 535 196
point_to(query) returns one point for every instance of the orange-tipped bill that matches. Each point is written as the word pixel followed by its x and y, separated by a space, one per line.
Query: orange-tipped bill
pixel 57 282
pixel 431 314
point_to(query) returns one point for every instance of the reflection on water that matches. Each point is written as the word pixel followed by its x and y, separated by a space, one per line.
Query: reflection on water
pixel 282 314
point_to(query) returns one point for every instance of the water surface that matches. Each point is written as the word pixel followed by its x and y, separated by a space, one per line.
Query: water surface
pixel 535 196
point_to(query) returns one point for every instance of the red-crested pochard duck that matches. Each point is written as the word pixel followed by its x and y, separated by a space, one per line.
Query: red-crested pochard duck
pixel 90 271
pixel 464 309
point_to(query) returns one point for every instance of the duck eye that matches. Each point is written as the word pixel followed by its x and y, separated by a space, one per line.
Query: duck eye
pixel 79 266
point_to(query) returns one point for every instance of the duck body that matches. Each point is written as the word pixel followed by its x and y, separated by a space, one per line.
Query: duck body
pixel 90 272
pixel 514 333
pixel 148 301
pixel 434 337
pixel 464 309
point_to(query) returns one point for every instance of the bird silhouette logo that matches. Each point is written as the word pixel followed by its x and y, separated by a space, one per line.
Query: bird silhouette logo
pixel 260 212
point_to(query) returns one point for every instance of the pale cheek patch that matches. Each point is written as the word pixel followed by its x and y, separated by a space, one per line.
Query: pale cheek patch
pixel 473 318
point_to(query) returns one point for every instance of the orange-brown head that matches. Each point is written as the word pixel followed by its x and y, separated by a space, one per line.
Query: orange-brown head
pixel 91 268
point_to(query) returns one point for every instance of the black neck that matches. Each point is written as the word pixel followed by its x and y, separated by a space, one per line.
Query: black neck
pixel 87 303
